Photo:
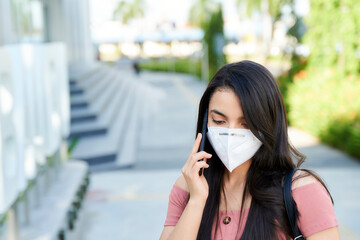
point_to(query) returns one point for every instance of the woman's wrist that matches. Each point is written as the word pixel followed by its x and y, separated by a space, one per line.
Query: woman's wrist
pixel 197 202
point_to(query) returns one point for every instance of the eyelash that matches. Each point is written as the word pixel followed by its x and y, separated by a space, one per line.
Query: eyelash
pixel 222 122
pixel 218 122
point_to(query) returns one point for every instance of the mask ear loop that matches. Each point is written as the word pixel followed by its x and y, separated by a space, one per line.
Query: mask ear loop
pixel 262 138
pixel 203 132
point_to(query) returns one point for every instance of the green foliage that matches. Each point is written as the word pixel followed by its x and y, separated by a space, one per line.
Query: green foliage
pixel 286 80
pixel 344 134
pixel 72 145
pixel 250 5
pixel 125 10
pixel 215 40
pixel 322 92
pixel 319 97
pixel 326 103
pixel 199 12
pixel 273 7
pixel 3 218
pixel 334 33
pixel 180 65
pixel 298 30
pixel 207 14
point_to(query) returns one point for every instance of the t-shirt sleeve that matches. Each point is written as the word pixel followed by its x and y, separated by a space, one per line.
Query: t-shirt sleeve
pixel 177 203
pixel 315 208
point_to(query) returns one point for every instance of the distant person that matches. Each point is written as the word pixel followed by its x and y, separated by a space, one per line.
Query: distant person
pixel 239 194
pixel 136 67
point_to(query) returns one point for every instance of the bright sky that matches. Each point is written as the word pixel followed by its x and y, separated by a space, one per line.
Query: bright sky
pixel 176 10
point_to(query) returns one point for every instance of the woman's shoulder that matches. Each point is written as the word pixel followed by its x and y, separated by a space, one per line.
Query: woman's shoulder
pixel 181 182
pixel 302 178
pixel 314 203
pixel 177 201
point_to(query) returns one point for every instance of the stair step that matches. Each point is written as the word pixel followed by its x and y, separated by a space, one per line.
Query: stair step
pixel 100 149
pixel 87 129
pixel 108 166
pixel 101 159
pixel 79 105
pixel 72 82
pixel 107 116
pixel 95 78
pixel 76 90
pixel 97 89
pixel 78 101
pixel 49 217
pixel 106 97
pixel 79 75
pixel 127 150
pixel 82 115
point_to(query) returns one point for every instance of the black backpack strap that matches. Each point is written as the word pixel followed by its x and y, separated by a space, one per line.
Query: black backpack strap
pixel 290 206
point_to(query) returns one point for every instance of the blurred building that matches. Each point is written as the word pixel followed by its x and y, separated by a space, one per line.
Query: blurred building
pixel 42 21
pixel 43 43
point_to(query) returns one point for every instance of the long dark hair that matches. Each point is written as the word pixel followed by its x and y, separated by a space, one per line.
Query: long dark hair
pixel 264 112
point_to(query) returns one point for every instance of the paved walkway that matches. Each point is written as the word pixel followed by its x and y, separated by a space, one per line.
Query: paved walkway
pixel 132 203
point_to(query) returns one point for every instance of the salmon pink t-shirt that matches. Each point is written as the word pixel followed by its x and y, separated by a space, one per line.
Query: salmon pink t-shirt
pixel 313 203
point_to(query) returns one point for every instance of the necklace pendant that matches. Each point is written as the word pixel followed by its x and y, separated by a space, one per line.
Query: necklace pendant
pixel 227 220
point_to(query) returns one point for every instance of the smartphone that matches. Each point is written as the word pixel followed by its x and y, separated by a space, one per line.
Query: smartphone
pixel 203 132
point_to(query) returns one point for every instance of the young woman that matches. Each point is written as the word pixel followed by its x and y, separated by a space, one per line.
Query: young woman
pixel 247 153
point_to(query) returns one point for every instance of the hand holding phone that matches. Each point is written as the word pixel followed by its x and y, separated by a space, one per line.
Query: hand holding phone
pixel 203 132
pixel 198 186
pixel 193 168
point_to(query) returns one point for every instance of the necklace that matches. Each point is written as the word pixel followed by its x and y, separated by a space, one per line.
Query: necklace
pixel 229 218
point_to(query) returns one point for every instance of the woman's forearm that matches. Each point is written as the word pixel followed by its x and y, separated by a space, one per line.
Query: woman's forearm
pixel 189 222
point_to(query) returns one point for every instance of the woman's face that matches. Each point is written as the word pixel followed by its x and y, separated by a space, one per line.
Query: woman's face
pixel 225 110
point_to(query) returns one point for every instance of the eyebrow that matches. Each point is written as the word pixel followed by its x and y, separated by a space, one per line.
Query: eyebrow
pixel 221 114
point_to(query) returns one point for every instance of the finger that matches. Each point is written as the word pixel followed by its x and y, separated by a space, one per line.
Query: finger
pixel 203 159
pixel 201 171
pixel 197 143
pixel 200 156
pixel 186 167
pixel 189 170
pixel 198 165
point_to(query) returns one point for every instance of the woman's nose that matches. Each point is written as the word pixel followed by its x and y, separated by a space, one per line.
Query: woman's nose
pixel 234 125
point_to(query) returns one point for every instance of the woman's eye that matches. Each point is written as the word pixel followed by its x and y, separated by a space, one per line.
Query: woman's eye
pixel 218 122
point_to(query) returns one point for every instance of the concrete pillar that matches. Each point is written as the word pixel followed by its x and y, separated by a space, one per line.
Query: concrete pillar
pixel 89 53
pixel 7 31
pixel 55 27
pixel 69 22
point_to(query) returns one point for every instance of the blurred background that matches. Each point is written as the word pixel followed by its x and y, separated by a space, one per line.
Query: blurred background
pixel 98 104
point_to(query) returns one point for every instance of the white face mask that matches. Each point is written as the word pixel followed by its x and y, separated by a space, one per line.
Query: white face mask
pixel 233 146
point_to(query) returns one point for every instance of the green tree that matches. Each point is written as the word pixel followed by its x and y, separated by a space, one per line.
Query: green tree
pixel 334 33
pixel 323 95
pixel 215 40
pixel 126 10
pixel 199 14
pixel 271 9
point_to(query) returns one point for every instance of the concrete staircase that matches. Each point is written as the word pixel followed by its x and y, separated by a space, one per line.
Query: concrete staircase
pixel 108 108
